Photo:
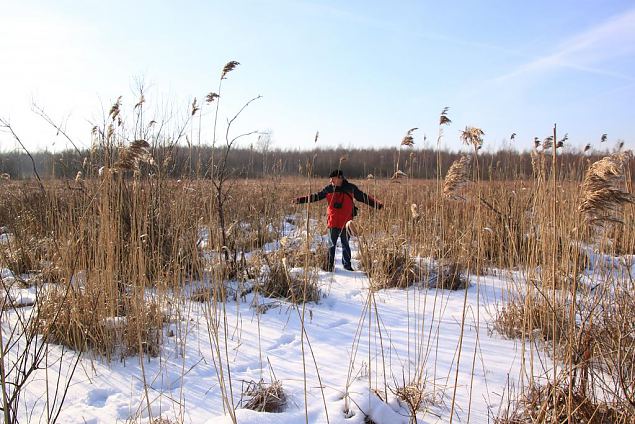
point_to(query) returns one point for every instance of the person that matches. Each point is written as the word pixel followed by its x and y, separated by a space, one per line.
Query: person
pixel 341 208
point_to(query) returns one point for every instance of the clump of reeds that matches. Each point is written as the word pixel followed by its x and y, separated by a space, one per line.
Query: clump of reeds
pixel 447 275
pixel 201 295
pixel 388 263
pixel 249 234
pixel 83 320
pixel 534 316
pixel 263 397
pixel 163 420
pixel 413 395
pixel 278 281
pixel 609 348
pixel 550 404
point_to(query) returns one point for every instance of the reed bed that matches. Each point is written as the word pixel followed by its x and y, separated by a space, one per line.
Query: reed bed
pixel 119 251
pixel 121 246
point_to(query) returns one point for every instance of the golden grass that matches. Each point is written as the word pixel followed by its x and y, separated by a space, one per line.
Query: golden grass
pixel 129 234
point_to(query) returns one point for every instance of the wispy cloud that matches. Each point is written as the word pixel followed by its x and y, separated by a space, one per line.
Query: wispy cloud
pixel 588 50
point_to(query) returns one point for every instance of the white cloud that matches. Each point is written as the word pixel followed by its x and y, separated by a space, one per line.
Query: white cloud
pixel 588 50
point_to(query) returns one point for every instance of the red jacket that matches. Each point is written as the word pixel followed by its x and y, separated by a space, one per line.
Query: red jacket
pixel 340 202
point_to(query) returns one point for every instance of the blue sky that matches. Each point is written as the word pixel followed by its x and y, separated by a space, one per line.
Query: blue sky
pixel 360 72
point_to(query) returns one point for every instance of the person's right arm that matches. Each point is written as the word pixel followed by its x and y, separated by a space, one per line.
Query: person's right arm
pixel 313 197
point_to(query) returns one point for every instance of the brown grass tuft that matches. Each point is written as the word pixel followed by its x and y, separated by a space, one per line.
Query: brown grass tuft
pixel 163 420
pixel 264 397
pixel 278 281
pixel 533 315
pixel 413 395
pixel 447 275
pixel 388 263
pixel 83 320
pixel 552 404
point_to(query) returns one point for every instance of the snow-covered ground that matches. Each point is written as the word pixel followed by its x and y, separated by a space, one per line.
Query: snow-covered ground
pixel 349 352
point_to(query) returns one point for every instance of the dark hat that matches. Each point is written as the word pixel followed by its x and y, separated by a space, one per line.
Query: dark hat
pixel 336 173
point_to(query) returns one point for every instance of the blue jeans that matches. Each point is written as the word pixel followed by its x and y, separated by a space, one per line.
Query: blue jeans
pixel 334 234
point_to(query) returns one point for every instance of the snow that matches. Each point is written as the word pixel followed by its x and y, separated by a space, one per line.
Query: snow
pixel 355 345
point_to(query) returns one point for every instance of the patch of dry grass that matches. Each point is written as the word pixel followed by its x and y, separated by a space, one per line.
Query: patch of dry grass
pixel 85 321
pixel 262 397
pixel 548 403
pixel 533 316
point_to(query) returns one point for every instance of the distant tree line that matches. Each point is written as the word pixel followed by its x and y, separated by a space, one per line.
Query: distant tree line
pixel 184 162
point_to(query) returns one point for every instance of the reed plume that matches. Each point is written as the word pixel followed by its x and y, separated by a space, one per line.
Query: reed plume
pixel 563 139
pixel 443 119
pixel 141 101
pixel 457 177
pixel 408 140
pixel 399 174
pixel 130 157
pixel 602 197
pixel 547 142
pixel 230 66
pixel 211 97
pixel 619 145
pixel 414 212
pixel 472 136
pixel 195 107
pixel 115 109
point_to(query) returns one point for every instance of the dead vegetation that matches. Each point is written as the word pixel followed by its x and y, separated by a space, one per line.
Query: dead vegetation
pixel 117 242
pixel 550 403
pixel 533 316
pixel 263 397
pixel 85 321
pixel 279 281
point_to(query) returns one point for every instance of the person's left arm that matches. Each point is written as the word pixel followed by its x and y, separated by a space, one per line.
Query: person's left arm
pixel 360 196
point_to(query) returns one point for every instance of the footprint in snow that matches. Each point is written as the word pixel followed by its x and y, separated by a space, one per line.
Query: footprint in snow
pixel 336 324
pixel 167 380
pixel 353 293
pixel 283 340
pixel 98 397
